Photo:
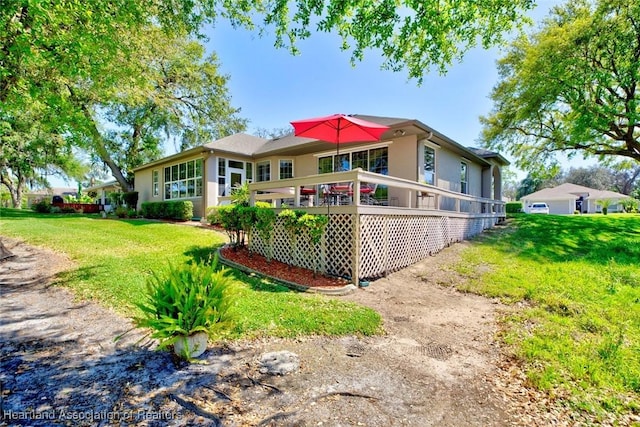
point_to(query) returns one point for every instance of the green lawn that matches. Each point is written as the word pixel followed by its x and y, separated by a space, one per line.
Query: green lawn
pixel 579 280
pixel 115 257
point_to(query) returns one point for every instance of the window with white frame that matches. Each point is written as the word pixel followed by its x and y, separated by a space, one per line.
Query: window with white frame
pixel 249 171
pixel 373 160
pixel 183 180
pixel 285 169
pixel 464 177
pixel 429 173
pixel 222 176
pixel 263 171
pixel 155 183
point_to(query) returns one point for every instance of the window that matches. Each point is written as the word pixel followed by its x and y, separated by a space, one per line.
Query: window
pixel 236 164
pixel 263 172
pixel 249 171
pixel 182 180
pixel 379 161
pixel 429 174
pixel 155 183
pixel 222 174
pixel 325 164
pixel 286 169
pixel 343 162
pixel 464 177
pixel 360 159
pixel 375 160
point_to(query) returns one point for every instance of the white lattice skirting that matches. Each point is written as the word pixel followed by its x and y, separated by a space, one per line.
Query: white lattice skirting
pixel 386 242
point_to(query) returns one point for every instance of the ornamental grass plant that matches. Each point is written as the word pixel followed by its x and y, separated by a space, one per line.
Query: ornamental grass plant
pixel 188 299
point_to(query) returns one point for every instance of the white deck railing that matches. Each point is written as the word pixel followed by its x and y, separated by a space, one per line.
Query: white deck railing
pixel 401 193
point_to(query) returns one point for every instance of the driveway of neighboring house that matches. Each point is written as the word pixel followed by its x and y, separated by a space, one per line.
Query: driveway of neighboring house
pixel 438 364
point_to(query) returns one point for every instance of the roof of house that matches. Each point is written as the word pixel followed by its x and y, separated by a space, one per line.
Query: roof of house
pixel 489 154
pixel 249 145
pixel 572 191
pixel 239 143
pixel 108 184
pixel 58 191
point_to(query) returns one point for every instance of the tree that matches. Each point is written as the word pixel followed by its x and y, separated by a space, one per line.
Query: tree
pixel 168 91
pixel 571 87
pixel 28 152
pixel 48 39
pixel 597 177
pixel 92 48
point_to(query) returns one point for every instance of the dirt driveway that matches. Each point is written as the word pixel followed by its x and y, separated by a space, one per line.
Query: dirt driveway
pixel 437 365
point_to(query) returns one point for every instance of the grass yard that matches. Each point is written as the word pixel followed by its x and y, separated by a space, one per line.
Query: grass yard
pixel 578 278
pixel 115 257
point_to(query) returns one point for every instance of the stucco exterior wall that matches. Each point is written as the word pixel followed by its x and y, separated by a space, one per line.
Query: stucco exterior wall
pixel 143 186
pixel 403 163
pixel 447 170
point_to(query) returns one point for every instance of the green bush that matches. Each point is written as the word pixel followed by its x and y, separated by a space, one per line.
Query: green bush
pixel 513 207
pixel 181 210
pixel 188 299
pixel 42 206
pixel 121 212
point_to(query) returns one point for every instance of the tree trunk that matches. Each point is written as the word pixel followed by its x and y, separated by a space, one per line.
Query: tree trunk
pixel 4 252
pixel 15 190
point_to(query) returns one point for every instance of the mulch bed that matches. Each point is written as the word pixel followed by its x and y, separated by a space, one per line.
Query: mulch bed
pixel 280 270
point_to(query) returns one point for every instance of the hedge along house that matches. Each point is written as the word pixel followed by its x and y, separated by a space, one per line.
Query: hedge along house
pixel 429 191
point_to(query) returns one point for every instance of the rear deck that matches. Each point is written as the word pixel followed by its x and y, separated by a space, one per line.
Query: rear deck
pixel 367 239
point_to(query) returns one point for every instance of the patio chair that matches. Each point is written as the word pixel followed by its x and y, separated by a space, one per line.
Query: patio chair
pixel 342 192
pixel 366 194
pixel 306 195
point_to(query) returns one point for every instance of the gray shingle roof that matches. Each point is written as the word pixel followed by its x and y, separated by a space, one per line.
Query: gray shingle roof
pixel 572 191
pixel 240 143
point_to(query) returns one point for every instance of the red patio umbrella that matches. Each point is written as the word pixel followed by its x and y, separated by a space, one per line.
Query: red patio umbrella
pixel 339 128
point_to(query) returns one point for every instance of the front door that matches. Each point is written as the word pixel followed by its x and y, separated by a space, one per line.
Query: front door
pixel 235 177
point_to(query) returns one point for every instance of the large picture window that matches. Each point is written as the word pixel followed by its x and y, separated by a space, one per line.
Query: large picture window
pixel 374 160
pixel 429 174
pixel 183 180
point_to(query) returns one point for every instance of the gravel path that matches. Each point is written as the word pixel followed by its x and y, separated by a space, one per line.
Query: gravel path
pixel 437 365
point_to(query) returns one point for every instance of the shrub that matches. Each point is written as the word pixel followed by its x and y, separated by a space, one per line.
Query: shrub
pixel 188 299
pixel 229 218
pixel 179 210
pixel 240 194
pixel 132 213
pixel 513 207
pixel 121 212
pixel 42 206
pixel 212 215
pixel 115 199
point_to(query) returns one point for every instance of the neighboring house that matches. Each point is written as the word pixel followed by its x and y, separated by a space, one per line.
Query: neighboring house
pixel 410 150
pixel 48 193
pixel 566 199
pixel 102 192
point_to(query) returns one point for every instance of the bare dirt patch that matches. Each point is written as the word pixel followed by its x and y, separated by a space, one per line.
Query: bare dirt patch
pixel 437 365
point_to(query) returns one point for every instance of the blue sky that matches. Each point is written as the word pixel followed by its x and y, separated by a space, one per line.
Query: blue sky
pixel 273 87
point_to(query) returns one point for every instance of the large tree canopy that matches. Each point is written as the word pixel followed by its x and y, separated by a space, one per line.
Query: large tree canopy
pixel 44 38
pixel 94 61
pixel 571 87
